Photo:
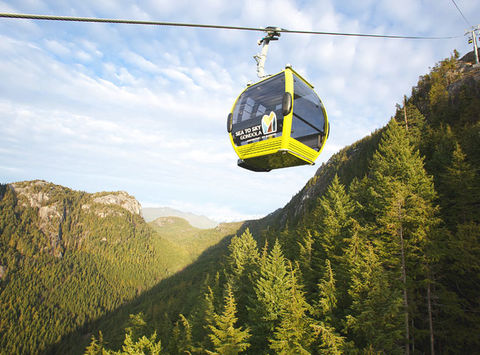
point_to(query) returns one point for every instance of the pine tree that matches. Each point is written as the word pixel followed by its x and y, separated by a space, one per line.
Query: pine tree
pixel 374 321
pixel 182 336
pixel 334 222
pixel 243 253
pixel 332 219
pixel 226 338
pixel 294 334
pixel 327 294
pixel 96 346
pixel 206 319
pixel 459 290
pixel 130 346
pixel 416 123
pixel 460 193
pixel 272 294
pixel 143 345
pixel 437 146
pixel 402 207
pixel 305 261
pixel 330 341
pixel 242 271
pixel 136 326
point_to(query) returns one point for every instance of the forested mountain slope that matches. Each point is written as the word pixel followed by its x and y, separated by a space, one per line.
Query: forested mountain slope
pixel 157 310
pixel 409 196
pixel 379 253
pixel 443 109
pixel 70 257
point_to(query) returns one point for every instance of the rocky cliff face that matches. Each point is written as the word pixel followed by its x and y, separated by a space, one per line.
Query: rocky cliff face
pixel 39 195
pixel 465 76
pixel 120 198
pixel 52 204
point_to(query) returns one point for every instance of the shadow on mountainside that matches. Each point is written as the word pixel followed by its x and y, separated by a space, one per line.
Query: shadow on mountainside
pixel 160 305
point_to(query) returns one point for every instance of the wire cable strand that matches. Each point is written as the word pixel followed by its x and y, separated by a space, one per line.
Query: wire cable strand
pixel 176 24
pixel 461 13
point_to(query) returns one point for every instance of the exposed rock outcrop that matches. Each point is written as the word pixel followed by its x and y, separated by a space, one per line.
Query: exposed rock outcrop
pixel 32 197
pixel 55 203
pixel 38 194
pixel 120 198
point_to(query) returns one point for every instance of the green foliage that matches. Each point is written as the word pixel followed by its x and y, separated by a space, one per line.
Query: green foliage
pixel 461 192
pixel 272 295
pixel 242 264
pixel 226 338
pixel 404 216
pixel 144 345
pixel 413 121
pixel 327 293
pixel 360 261
pixel 74 260
pixel 96 346
pixel 375 318
pixel 182 333
pixel 132 345
pixel 294 334
pixel 363 260
pixel 331 225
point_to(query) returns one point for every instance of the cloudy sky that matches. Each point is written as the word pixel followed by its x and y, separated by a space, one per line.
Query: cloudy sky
pixel 105 107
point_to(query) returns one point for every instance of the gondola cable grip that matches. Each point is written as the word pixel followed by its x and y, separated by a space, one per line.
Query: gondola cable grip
pixel 273 33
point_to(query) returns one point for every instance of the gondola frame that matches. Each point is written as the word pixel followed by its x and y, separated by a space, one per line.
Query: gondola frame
pixel 282 151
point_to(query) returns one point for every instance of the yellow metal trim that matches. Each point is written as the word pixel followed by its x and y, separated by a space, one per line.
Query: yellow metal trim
pixel 302 151
pixel 298 156
pixel 327 126
pixel 301 77
pixel 257 149
pixel 285 142
pixel 287 120
pixel 238 149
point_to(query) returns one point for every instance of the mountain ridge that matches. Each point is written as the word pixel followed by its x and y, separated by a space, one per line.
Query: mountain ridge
pixel 76 256
pixel 314 229
pixel 199 221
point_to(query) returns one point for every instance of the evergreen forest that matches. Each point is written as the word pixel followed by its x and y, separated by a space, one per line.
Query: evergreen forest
pixel 379 253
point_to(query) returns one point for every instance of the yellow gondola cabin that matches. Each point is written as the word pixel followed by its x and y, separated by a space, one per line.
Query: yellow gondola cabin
pixel 278 122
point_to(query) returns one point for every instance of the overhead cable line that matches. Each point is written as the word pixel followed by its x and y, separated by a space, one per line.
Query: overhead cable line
pixel 176 24
pixel 472 32
pixel 461 13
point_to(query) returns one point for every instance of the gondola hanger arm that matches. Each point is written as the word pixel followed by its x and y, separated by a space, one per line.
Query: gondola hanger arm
pixel 272 34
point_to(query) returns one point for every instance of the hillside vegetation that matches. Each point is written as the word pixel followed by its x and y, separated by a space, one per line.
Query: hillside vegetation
pixel 379 253
pixel 68 258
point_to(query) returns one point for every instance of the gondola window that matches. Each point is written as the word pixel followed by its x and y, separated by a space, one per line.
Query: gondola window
pixel 308 121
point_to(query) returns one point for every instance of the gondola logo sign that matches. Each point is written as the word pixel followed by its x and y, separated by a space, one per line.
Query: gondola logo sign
pixel 269 123
pixel 268 126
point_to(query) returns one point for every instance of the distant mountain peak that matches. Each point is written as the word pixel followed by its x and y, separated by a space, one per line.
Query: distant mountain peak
pixel 152 213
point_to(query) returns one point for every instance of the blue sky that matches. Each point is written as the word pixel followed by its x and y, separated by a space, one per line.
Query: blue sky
pixel 104 107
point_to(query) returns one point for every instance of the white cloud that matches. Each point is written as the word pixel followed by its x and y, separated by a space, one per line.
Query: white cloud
pixel 143 109
pixel 57 47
